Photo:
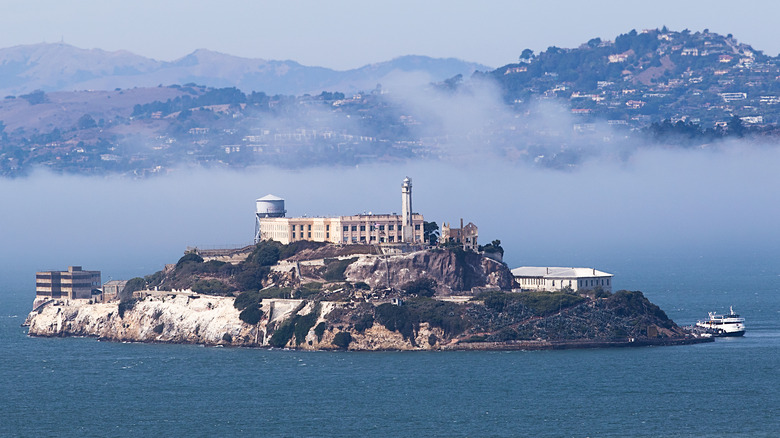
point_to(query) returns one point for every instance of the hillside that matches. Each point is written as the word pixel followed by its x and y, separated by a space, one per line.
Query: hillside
pixel 649 76
pixel 556 109
pixel 62 67
pixel 436 299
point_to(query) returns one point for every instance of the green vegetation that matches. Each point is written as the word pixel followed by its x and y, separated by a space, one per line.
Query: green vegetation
pixel 304 324
pixel 190 257
pixel 283 334
pixel 633 304
pixel 494 246
pixel 320 330
pixel 442 314
pixel 342 340
pixel 298 326
pixel 211 287
pixel 335 268
pixel 251 314
pixel 397 319
pixel 422 287
pixel 431 232
pixel 537 303
pixel 227 338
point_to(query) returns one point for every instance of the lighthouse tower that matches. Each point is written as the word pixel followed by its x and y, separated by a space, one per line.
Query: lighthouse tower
pixel 406 210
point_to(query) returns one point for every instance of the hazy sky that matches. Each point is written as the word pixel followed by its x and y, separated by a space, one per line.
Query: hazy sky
pixel 348 34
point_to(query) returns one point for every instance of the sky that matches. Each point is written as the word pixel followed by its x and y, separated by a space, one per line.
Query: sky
pixel 349 34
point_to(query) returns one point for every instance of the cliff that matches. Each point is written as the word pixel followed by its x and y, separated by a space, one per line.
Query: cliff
pixel 453 270
pixel 322 297
pixel 498 321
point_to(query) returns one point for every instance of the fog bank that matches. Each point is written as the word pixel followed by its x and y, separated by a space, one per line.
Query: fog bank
pixel 658 201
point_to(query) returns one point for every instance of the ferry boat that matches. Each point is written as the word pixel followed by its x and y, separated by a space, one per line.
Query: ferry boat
pixel 724 325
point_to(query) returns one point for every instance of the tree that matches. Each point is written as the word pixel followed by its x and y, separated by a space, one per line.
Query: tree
pixel 494 246
pixel 86 122
pixel 735 127
pixel 431 232
pixel 527 54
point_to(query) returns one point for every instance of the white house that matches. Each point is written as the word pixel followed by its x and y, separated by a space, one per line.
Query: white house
pixel 555 278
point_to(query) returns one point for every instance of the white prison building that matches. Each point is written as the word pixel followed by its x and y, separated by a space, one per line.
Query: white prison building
pixel 556 278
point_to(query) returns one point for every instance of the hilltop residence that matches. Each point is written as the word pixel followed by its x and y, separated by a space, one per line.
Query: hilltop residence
pixel 555 279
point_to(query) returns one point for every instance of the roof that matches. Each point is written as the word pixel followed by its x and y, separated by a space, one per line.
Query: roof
pixel 270 197
pixel 558 272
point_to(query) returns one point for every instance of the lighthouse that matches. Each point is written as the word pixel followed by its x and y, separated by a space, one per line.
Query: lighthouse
pixel 406 210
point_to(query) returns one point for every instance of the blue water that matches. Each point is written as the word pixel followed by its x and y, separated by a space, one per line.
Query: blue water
pixel 82 387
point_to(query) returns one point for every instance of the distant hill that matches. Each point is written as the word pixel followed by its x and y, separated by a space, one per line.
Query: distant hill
pixel 642 77
pixel 62 67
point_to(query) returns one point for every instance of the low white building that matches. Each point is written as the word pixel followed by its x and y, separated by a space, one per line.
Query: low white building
pixel 556 278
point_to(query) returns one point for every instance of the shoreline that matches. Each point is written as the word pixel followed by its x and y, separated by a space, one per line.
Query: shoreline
pixel 463 346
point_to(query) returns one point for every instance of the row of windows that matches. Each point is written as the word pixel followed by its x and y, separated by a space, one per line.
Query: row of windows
pixel 308 227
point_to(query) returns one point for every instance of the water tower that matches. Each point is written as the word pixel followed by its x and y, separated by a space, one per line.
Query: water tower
pixel 267 206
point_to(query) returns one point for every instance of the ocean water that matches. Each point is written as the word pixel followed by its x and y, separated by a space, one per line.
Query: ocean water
pixel 82 387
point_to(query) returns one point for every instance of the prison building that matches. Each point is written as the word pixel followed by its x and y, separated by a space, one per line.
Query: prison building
pixel 74 283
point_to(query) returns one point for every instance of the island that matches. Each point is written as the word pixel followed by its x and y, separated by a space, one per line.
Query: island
pixel 321 296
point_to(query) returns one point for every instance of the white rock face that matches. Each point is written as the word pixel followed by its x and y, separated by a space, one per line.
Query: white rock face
pixel 179 318
pixel 208 320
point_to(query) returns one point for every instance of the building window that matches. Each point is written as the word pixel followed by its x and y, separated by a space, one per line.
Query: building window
pixel 362 228
pixel 354 227
pixel 327 227
pixel 390 239
pixel 417 227
pixel 293 227
pixel 381 240
pixel 309 234
pixel 309 227
pixel 372 228
pixel 354 239
pixel 373 238
pixel 345 239
pixel 327 235
pixel 381 228
pixel 390 227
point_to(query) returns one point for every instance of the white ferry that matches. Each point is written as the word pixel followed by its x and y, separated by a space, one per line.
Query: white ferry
pixel 724 325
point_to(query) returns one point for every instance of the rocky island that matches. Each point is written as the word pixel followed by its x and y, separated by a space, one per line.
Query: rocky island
pixel 317 296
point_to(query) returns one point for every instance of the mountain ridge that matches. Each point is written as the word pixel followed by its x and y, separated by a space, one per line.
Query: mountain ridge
pixel 63 67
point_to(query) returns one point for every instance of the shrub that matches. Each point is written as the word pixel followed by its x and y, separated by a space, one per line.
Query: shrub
pixel 227 338
pixel 251 314
pixel 320 330
pixel 397 319
pixel 308 289
pixel 444 315
pixel 342 340
pixel 245 299
pixel 422 287
pixel 303 324
pixel 251 276
pixel 266 253
pixel 336 268
pixel 132 285
pixel 364 322
pixel 362 285
pixel 283 334
pixel 158 328
pixel 125 306
pixel 190 257
pixel 211 287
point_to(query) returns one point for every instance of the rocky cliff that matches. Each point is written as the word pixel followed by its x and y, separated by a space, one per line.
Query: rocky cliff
pixel 496 321
pixel 454 270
